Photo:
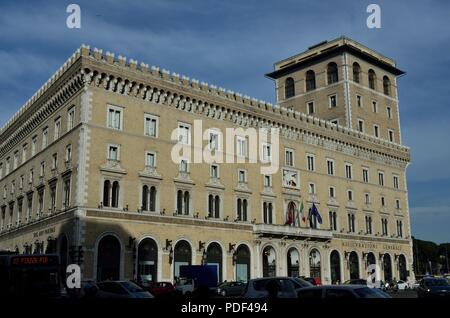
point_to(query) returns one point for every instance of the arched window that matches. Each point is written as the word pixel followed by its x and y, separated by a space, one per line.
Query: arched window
pixel 354 265
pixel 115 194
pixel 402 268
pixel 386 86
pixel 186 202
pixel 387 267
pixel 214 257
pixel 310 80
pixel 315 264
pixel 239 209
pixel 332 73
pixel 335 267
pixel 217 207
pixel 210 205
pixel 244 210
pixel 108 259
pixel 147 261
pixel 152 199
pixel 269 262
pixel 106 192
pixel 289 87
pixel 372 79
pixel 242 260
pixel 356 72
pixel 179 202
pixel 145 198
pixel 293 261
pixel 182 256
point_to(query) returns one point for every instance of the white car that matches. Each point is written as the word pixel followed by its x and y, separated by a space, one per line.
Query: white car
pixel 184 286
pixel 402 285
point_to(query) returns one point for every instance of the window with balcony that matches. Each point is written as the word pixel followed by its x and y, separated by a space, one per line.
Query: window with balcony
pixel 333 220
pixel 183 202
pixel 242 206
pixel 214 206
pixel 267 212
pixel 351 223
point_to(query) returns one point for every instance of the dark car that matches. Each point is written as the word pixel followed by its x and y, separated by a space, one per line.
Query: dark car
pixel 313 281
pixel 160 289
pixel 274 287
pixel 231 288
pixel 357 281
pixel 117 289
pixel 341 291
pixel 433 287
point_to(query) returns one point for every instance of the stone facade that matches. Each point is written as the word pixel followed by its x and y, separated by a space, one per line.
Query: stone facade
pixel 113 192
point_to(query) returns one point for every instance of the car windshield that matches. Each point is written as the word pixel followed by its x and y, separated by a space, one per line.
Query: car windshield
pixel 367 292
pixel 133 288
pixel 436 282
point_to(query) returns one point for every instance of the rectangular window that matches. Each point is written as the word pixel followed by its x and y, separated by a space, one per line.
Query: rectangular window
pixel 311 162
pixel 374 107
pixel 266 152
pixel 54 161
pixel 365 174
pixel 242 175
pixel 115 117
pixel 330 167
pixel 24 152
pixel 395 181
pixel 184 133
pixel 332 192
pixel 366 198
pixel 332 100
pixel 391 135
pixel 68 153
pixel 389 112
pixel 348 171
pixel 268 181
pixel 42 171
pixel 113 152
pixel 351 222
pixel 311 109
pixel 350 195
pixel 376 131
pixel 214 172
pixel 7 165
pixel 15 160
pixel 70 118
pixel 383 201
pixel 241 145
pixel 360 125
pixel 44 138
pixel 381 178
pixel 33 145
pixel 1 171
pixel 359 100
pixel 31 176
pixel 151 125
pixel 397 204
pixel 312 188
pixel 184 165
pixel 289 157
pixel 213 142
pixel 57 128
pixel 150 159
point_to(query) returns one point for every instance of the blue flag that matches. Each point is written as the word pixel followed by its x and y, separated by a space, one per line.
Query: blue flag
pixel 316 213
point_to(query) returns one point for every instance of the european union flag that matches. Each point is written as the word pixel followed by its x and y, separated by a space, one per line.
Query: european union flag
pixel 316 213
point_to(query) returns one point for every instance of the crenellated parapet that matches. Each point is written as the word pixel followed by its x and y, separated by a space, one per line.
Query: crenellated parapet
pixel 153 84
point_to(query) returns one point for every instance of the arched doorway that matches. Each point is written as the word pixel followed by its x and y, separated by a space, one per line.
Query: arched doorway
pixel 315 265
pixel 242 263
pixel 147 270
pixel 387 267
pixel 182 256
pixel 335 267
pixel 353 265
pixel 108 258
pixel 293 261
pixel 214 257
pixel 403 272
pixel 269 262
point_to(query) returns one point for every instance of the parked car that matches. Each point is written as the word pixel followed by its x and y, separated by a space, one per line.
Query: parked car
pixel 231 288
pixel 184 286
pixel 433 287
pixel 274 287
pixel 312 280
pixel 117 289
pixel 402 285
pixel 356 281
pixel 341 291
pixel 159 289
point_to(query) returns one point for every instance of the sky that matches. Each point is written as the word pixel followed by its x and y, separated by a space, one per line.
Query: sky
pixel 233 43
